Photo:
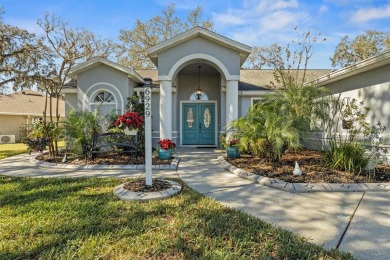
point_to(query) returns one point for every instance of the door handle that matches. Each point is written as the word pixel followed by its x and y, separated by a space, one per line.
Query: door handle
pixel 200 127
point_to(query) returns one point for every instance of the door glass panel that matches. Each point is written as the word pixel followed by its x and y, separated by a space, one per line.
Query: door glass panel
pixel 190 118
pixel 207 118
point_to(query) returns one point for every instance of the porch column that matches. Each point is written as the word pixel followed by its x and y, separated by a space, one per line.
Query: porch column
pixel 231 102
pixel 166 109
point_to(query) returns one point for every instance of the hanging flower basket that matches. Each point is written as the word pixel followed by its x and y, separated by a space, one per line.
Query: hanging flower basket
pixel 128 131
pixel 129 122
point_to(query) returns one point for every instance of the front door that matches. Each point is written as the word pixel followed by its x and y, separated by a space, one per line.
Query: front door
pixel 198 121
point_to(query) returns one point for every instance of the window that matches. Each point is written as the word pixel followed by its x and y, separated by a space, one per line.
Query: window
pixel 104 102
pixel 255 100
pixel 202 96
pixel 103 97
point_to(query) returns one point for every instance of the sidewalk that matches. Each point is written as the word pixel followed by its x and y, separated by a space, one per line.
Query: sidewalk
pixel 356 222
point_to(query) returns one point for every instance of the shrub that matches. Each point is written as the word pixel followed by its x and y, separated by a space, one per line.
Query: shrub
pixel 79 129
pixel 346 156
pixel 352 141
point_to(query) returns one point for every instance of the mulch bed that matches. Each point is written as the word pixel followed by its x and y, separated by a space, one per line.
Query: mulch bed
pixel 140 185
pixel 108 158
pixel 312 167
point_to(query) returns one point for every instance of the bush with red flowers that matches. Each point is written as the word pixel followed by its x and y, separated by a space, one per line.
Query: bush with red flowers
pixel 167 144
pixel 130 120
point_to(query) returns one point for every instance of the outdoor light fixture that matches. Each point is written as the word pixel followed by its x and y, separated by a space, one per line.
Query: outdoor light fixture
pixel 198 90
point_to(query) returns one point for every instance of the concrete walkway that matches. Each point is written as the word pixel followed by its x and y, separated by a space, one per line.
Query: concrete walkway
pixel 357 222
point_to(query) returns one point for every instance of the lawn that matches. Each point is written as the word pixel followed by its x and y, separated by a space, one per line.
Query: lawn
pixel 50 218
pixel 7 150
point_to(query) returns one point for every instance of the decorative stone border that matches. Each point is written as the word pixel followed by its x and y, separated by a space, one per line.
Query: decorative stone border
pixel 303 187
pixel 127 195
pixel 173 166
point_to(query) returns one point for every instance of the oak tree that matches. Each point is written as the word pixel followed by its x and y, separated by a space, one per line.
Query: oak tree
pixel 363 46
pixel 136 41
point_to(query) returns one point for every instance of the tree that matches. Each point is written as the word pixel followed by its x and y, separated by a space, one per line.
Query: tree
pixel 20 56
pixel 361 47
pixel 65 48
pixel 281 120
pixel 144 35
pixel 289 63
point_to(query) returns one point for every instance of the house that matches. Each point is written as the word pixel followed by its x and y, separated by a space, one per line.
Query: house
pixel 19 110
pixel 367 81
pixel 199 86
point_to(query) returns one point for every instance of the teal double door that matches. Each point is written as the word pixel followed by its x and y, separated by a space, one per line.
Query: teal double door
pixel 198 123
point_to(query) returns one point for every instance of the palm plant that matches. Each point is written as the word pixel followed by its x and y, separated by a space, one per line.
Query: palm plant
pixel 279 121
pixel 79 129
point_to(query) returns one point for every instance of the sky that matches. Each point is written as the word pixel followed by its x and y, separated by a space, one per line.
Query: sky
pixel 252 22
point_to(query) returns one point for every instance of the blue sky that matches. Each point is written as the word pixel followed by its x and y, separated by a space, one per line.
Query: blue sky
pixel 253 22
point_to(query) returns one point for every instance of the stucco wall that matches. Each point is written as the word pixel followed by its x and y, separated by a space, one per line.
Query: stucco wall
pixel 372 87
pixel 71 102
pixel 99 78
pixel 198 45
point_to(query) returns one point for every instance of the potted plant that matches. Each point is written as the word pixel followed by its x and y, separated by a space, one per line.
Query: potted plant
pixel 165 149
pixel 232 150
pixel 129 122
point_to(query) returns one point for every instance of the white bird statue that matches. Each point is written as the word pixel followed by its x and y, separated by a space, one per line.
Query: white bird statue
pixel 297 170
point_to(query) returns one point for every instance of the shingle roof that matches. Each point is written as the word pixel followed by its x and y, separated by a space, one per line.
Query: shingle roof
pixel 249 79
pixel 26 102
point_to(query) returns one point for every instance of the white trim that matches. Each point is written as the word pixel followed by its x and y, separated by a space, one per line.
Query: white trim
pixel 154 90
pixel 185 60
pixel 243 49
pixel 69 91
pixel 359 67
pixel 253 92
pixel 99 60
pixel 22 114
pixel 87 98
pixel 215 102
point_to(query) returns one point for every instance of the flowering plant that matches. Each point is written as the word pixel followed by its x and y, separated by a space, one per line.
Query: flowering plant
pixel 233 142
pixel 166 144
pixel 129 119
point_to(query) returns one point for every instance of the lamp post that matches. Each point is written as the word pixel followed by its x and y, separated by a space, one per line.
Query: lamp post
pixel 148 131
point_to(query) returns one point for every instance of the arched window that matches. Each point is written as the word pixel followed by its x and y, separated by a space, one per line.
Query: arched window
pixel 104 97
pixel 104 102
pixel 199 96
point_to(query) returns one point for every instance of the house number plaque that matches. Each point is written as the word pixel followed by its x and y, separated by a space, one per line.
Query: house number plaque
pixel 148 131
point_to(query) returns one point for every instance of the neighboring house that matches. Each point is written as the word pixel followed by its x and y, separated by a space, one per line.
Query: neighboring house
pixel 198 86
pixel 19 110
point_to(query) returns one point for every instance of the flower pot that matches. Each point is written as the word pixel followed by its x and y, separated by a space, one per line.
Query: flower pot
pixel 133 131
pixel 164 154
pixel 232 152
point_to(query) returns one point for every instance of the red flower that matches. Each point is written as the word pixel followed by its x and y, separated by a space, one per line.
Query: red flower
pixel 130 120
pixel 167 144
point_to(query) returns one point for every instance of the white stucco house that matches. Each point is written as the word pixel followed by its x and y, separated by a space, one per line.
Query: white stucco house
pixel 199 86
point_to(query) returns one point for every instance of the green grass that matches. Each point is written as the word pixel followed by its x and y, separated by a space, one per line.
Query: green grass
pixel 50 218
pixel 7 150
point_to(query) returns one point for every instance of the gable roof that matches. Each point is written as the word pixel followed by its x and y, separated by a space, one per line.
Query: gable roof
pixel 27 102
pixel 96 61
pixel 243 49
pixel 371 63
